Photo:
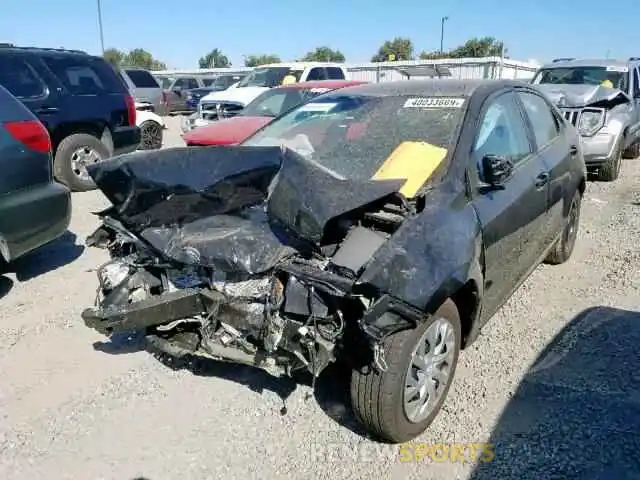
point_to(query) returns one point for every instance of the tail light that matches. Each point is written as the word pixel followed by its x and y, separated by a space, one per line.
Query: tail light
pixel 131 109
pixel 31 133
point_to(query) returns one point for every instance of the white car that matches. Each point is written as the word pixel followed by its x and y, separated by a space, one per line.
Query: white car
pixel 151 126
pixel 231 101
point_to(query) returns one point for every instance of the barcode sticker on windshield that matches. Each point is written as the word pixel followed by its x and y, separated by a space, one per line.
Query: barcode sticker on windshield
pixel 434 102
pixel 317 107
pixel 617 69
pixel 319 90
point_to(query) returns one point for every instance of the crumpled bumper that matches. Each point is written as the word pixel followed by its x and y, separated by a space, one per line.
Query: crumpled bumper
pixel 153 311
pixel 599 148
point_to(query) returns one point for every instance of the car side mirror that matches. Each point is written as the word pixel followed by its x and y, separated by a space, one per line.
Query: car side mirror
pixel 496 170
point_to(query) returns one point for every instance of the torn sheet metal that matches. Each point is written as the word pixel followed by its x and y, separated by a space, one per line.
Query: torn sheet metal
pixel 240 210
pixel 175 186
pixel 307 196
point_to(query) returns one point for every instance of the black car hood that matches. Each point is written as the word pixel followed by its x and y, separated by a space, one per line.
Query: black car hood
pixel 238 209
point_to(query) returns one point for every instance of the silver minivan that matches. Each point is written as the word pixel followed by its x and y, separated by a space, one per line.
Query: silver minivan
pixel 145 88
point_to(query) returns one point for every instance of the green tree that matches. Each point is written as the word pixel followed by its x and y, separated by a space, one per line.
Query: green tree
pixel 479 47
pixel 214 59
pixel 434 55
pixel 262 59
pixel 114 57
pixel 139 57
pixel 399 48
pixel 323 54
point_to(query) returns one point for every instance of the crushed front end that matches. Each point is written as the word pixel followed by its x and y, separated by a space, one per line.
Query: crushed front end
pixel 255 276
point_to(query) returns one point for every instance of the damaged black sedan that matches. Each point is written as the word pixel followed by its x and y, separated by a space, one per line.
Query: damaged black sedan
pixel 379 225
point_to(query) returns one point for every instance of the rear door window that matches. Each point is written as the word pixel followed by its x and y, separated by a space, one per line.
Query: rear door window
pixel 19 78
pixel 142 79
pixel 84 76
pixel 335 73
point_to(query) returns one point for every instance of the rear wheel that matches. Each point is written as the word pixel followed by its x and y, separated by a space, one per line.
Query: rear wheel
pixel 151 135
pixel 400 403
pixel 564 246
pixel 72 157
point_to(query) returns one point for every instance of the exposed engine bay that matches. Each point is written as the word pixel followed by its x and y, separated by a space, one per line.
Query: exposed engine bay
pixel 254 262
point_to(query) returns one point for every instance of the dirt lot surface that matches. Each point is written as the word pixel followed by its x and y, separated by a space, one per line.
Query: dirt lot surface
pixel 74 405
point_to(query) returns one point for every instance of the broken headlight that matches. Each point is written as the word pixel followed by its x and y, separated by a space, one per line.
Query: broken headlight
pixel 591 120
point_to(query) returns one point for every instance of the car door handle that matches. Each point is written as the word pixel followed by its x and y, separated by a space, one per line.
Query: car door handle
pixel 46 110
pixel 542 179
pixel 573 150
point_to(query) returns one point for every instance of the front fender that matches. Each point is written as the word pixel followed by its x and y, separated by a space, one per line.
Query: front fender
pixel 431 256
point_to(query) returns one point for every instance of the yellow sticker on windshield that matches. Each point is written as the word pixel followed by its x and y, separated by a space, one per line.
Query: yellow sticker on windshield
pixel 415 161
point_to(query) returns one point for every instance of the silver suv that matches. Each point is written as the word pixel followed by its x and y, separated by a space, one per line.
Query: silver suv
pixel 601 98
pixel 145 88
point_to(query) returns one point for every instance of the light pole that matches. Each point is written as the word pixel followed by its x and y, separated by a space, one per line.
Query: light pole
pixel 100 25
pixel 444 19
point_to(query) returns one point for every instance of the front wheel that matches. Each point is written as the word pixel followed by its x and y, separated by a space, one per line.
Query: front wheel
pixel 611 169
pixel 400 403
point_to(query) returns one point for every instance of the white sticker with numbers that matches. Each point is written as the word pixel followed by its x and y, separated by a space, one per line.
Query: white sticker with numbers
pixel 434 102
pixel 616 68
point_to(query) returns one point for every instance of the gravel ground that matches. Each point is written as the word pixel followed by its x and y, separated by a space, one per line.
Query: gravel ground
pixel 73 405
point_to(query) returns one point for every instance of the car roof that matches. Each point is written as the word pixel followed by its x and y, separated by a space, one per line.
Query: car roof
pixel 587 62
pixel 7 48
pixel 437 87
pixel 331 84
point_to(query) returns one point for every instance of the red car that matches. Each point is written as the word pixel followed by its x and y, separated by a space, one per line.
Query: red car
pixel 261 111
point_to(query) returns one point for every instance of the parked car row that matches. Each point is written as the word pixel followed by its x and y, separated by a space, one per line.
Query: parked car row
pixel 229 102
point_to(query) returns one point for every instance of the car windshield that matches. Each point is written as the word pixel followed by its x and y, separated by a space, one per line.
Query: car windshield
pixel 353 135
pixel 268 77
pixel 618 76
pixel 273 103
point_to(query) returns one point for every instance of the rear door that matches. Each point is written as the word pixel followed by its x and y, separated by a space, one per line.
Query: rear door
pixel 558 155
pixel 512 217
pixel 90 89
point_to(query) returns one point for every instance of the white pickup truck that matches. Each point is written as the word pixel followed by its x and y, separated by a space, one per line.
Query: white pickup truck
pixel 230 102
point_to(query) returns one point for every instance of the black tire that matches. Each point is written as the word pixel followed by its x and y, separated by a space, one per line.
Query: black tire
pixel 378 398
pixel 63 161
pixel 611 169
pixel 563 248
pixel 633 152
pixel 150 135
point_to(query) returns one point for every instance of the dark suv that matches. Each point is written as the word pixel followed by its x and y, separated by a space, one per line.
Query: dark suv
pixel 85 106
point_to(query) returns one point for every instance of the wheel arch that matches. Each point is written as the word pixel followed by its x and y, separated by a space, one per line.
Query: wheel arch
pixel 96 129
